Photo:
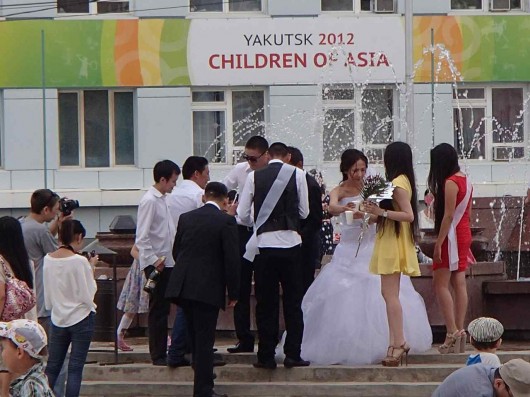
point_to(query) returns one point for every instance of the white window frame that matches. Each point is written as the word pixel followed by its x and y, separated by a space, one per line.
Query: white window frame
pixel 356 105
pixel 93 9
pixel 357 9
pixel 485 8
pixel 226 10
pixel 112 133
pixel 232 152
pixel 487 104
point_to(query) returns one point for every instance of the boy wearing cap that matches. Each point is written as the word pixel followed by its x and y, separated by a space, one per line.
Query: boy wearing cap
pixel 509 380
pixel 23 350
pixel 485 333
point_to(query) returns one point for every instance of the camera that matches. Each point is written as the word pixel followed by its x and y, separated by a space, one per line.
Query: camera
pixel 66 205
pixel 150 284
pixel 153 277
pixel 89 255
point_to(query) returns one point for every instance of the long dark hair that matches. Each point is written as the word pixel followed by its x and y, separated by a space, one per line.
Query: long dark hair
pixel 348 159
pixel 444 163
pixel 69 229
pixel 398 161
pixel 13 249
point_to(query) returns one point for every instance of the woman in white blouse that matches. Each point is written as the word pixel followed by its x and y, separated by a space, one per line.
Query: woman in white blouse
pixel 69 289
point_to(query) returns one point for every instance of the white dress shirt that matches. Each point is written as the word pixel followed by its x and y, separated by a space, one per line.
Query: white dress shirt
pixel 279 238
pixel 185 197
pixel 236 179
pixel 69 289
pixel 237 176
pixel 214 204
pixel 155 229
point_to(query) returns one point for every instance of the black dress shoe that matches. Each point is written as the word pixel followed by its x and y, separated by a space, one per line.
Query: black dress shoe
pixel 214 394
pixel 180 363
pixel 290 363
pixel 265 364
pixel 239 348
pixel 218 360
pixel 161 362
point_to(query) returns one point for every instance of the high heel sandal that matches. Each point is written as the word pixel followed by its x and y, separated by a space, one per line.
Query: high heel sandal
pixel 463 341
pixel 397 356
pixel 451 344
pixel 388 355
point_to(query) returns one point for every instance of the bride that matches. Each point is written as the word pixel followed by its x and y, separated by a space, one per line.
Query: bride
pixel 345 318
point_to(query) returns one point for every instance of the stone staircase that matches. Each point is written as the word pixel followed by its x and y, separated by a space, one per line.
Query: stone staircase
pixel 135 377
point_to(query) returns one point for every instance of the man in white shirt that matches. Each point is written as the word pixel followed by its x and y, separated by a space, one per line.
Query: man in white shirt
pixel 278 260
pixel 155 232
pixel 186 197
pixel 257 157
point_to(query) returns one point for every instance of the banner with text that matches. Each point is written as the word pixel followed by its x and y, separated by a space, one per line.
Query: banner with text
pixel 296 50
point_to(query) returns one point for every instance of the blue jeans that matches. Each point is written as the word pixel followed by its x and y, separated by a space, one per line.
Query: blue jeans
pixel 80 336
pixel 179 339
pixel 60 383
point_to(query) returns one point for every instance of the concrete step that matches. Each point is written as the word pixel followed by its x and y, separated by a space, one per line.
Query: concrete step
pixel 244 373
pixel 431 357
pixel 261 389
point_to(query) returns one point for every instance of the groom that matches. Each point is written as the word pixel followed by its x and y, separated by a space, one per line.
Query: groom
pixel 277 196
pixel 206 253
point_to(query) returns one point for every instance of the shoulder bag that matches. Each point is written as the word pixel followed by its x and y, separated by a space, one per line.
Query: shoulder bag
pixel 19 298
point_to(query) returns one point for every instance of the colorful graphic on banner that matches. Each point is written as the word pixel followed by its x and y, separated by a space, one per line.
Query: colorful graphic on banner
pixel 95 53
pixel 484 48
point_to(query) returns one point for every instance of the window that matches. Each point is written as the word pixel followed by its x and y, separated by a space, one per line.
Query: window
pixel 358 5
pixel 466 4
pixel 481 4
pixel 357 117
pixel 226 6
pixel 92 6
pixel 489 123
pixel 224 120
pixel 96 128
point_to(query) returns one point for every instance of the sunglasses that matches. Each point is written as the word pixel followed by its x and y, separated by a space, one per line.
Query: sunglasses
pixel 252 159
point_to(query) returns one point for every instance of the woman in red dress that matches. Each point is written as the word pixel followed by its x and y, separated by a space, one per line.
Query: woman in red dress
pixel 452 208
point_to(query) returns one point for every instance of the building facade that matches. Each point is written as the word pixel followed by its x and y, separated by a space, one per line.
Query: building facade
pixel 94 93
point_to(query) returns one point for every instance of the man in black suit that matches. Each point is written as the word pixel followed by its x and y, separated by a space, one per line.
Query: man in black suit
pixel 309 227
pixel 207 264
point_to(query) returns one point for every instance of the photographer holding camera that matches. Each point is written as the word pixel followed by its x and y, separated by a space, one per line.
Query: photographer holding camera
pixel 39 228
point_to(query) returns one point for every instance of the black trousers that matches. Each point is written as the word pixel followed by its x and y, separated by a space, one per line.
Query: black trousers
pixel 157 319
pixel 310 254
pixel 202 321
pixel 242 308
pixel 272 267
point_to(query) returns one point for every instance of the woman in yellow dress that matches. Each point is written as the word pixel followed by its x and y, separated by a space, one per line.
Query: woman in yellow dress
pixel 394 251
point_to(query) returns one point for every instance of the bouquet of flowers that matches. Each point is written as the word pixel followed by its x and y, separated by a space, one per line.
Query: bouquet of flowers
pixel 375 188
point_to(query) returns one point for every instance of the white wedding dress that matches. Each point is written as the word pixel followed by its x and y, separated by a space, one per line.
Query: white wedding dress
pixel 345 318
